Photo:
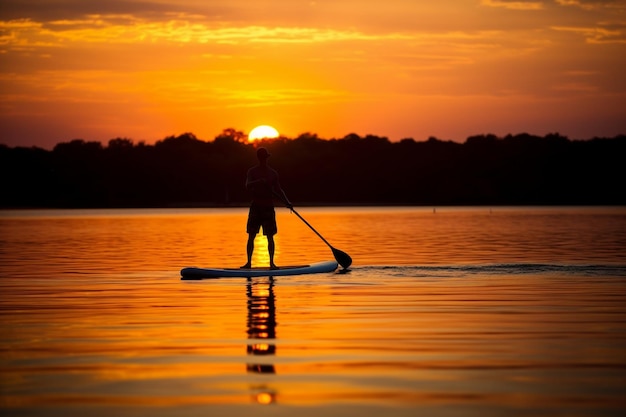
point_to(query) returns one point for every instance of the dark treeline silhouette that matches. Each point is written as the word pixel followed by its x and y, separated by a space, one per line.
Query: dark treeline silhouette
pixel 184 171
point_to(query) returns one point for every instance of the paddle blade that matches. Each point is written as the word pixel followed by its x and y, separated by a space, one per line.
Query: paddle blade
pixel 342 258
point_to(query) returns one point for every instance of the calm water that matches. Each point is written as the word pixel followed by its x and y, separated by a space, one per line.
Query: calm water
pixel 458 311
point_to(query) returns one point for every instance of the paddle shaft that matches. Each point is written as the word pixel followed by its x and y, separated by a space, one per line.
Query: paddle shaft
pixel 342 258
pixel 290 206
pixel 312 228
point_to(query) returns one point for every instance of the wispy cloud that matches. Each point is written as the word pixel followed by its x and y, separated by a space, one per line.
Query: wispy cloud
pixel 270 97
pixel 594 4
pixel 128 29
pixel 604 33
pixel 514 4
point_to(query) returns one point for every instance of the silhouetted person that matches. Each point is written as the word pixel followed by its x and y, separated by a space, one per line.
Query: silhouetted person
pixel 262 183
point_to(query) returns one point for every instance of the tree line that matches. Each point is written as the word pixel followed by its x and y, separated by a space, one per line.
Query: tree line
pixel 184 171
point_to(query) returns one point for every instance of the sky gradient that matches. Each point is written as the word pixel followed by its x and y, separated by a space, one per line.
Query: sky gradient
pixel 398 68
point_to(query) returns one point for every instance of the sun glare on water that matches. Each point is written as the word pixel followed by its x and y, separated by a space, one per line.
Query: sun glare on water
pixel 262 132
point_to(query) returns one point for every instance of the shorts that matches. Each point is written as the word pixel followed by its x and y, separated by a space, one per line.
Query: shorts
pixel 264 216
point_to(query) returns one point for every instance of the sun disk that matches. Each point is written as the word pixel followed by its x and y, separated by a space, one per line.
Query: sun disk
pixel 262 132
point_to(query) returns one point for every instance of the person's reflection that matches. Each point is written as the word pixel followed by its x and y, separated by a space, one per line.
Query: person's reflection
pixel 262 331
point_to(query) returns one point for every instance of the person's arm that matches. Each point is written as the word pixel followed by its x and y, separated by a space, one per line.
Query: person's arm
pixel 279 192
pixel 251 182
pixel 284 198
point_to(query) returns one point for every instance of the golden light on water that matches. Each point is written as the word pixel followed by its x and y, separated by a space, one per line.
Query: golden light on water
pixel 265 398
pixel 428 338
pixel 261 257
pixel 261 347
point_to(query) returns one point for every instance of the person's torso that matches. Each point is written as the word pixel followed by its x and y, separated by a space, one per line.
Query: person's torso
pixel 262 192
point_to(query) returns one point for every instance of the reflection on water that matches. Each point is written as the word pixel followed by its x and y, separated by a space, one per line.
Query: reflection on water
pixel 450 312
pixel 261 332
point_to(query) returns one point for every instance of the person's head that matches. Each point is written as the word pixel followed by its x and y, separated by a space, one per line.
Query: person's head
pixel 262 154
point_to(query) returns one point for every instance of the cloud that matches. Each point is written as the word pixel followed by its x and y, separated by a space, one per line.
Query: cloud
pixel 513 4
pixel 129 29
pixel 594 4
pixel 603 33
pixel 47 10
pixel 269 97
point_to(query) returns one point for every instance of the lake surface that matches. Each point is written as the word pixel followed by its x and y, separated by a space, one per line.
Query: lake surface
pixel 445 312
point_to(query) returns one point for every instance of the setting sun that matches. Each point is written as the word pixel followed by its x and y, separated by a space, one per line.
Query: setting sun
pixel 263 132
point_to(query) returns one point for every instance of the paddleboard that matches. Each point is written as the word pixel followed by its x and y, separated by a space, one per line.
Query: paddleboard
pixel 200 273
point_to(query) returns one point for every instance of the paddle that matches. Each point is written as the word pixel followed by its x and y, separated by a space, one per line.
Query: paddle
pixel 342 258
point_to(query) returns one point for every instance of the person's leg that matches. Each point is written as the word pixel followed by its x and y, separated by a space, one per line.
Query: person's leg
pixel 249 250
pixel 270 250
pixel 252 228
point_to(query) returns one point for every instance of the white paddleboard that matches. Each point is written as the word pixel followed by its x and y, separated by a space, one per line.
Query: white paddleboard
pixel 200 273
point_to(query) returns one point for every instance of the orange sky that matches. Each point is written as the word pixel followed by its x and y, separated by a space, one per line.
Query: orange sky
pixel 397 68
